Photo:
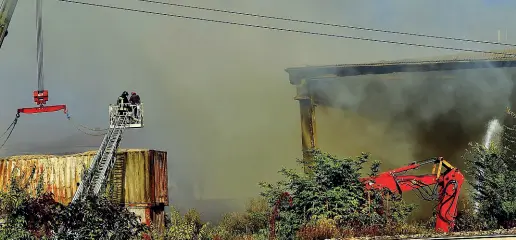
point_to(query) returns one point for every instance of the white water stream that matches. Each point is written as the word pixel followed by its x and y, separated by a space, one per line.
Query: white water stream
pixel 494 128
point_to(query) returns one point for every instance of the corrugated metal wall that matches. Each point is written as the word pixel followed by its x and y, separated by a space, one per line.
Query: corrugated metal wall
pixel 60 173
pixel 139 178
pixel 160 172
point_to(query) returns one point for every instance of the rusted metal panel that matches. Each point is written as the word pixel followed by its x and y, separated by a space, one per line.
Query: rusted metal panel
pixel 60 173
pixel 145 178
pixel 160 173
pixel 158 217
pixel 139 179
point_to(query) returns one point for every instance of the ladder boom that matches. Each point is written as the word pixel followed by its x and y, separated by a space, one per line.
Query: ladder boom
pixel 87 174
pixel 95 178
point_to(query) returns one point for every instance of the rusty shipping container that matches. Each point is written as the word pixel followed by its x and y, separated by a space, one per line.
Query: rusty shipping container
pixel 139 178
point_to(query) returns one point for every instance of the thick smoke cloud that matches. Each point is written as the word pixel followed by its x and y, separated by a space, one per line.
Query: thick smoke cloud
pixel 216 96
pixel 437 113
pixel 408 117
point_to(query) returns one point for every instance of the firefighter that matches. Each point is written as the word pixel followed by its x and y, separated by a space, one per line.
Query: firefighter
pixel 135 102
pixel 123 102
pixel 135 98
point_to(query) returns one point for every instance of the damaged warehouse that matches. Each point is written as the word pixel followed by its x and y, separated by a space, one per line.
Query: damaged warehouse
pixel 406 90
pixel 138 180
pixel 428 107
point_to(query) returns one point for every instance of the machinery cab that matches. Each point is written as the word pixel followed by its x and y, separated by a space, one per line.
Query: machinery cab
pixel 134 111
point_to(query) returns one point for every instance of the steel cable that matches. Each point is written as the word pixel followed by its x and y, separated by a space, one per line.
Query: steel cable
pixel 39 58
pixel 10 129
pixel 78 126
pixel 287 29
pixel 328 24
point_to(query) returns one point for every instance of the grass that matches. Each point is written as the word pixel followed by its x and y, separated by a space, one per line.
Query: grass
pixel 252 224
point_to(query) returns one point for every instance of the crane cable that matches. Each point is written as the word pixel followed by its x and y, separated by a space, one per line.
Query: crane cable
pixel 78 127
pixel 10 129
pixel 91 134
pixel 39 56
pixel 13 124
pixel 39 59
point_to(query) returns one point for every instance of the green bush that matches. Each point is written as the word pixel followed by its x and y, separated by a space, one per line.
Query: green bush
pixel 187 227
pixel 252 223
pixel 493 186
pixel 40 216
pixel 98 218
pixel 14 206
pixel 333 191
pixel 467 219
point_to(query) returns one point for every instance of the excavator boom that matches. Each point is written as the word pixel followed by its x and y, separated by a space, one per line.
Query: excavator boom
pixel 448 182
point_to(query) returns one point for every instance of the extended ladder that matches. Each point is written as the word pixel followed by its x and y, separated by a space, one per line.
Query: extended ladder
pixel 95 178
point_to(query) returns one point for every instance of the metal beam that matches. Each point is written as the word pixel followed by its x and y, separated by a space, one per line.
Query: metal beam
pixel 356 69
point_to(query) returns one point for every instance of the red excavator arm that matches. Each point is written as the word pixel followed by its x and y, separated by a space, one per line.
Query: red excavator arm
pixel 448 182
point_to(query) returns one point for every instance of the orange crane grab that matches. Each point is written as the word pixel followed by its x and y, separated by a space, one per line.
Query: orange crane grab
pixel 41 95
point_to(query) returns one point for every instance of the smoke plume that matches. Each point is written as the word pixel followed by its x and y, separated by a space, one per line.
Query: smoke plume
pixel 217 98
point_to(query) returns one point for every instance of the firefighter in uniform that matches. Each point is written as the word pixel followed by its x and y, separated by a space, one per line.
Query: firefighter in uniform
pixel 135 102
pixel 123 102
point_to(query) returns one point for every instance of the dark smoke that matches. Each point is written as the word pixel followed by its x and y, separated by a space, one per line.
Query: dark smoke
pixel 413 116
pixel 440 112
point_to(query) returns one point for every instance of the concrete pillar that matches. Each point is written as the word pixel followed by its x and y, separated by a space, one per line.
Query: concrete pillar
pixel 308 125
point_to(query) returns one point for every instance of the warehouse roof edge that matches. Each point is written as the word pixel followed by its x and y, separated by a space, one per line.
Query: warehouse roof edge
pixel 497 59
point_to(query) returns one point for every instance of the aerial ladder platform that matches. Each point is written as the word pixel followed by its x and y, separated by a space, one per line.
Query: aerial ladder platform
pixel 94 180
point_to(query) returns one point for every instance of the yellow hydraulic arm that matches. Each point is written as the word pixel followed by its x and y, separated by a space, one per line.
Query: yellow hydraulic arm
pixel 6 13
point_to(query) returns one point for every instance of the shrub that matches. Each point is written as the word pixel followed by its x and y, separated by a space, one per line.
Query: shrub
pixel 333 191
pixel 40 216
pixel 322 229
pixel 250 224
pixel 99 218
pixel 492 182
pixel 185 227
pixel 12 205
pixel 467 219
